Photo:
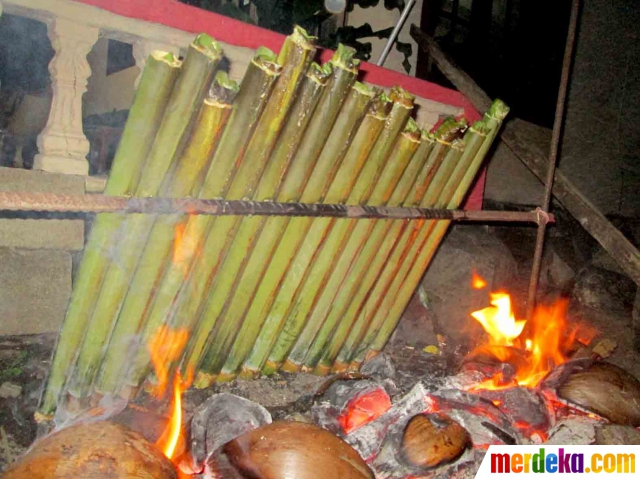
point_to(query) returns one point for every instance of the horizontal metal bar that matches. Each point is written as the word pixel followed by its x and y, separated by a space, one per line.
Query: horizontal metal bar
pixel 53 203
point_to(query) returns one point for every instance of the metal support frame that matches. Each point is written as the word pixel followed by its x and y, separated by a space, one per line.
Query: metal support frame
pixel 593 221
pixel 553 156
pixel 396 31
pixel 22 202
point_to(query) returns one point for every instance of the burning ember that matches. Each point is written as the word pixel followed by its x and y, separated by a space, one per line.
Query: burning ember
pixel 364 408
pixel 166 347
pixel 533 347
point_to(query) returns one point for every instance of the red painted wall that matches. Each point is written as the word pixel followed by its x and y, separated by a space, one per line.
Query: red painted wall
pixel 185 17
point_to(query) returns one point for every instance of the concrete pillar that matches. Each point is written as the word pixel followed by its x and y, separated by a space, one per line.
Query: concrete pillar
pixel 62 144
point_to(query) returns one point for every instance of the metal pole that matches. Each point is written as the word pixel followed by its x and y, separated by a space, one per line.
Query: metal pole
pixel 395 32
pixel 553 156
pixel 53 203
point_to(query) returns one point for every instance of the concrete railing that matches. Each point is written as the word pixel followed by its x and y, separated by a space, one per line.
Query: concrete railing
pixel 74 28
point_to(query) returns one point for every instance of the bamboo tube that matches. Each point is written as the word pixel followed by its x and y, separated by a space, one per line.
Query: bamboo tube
pixel 344 70
pixel 375 119
pixel 185 180
pixel 420 231
pixel 311 305
pixel 292 134
pixel 378 248
pixel 289 331
pixel 302 109
pixel 476 135
pixel 457 191
pixel 441 161
pixel 223 333
pixel 223 251
pixel 473 141
pixel 191 88
pixel 157 256
pixel 186 100
pixel 284 151
pixel 393 272
pixel 248 107
pixel 145 116
pixel 360 252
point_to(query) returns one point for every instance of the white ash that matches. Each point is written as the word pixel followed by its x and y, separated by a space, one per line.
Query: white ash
pixel 574 430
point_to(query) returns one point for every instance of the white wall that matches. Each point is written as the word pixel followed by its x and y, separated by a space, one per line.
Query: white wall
pixel 107 93
pixel 380 18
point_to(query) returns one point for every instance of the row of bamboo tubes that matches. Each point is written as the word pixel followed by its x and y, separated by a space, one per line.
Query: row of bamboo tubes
pixel 257 294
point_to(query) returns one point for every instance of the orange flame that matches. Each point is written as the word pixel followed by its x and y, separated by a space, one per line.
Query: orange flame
pixel 175 424
pixel 499 321
pixel 547 334
pixel 547 339
pixel 165 348
pixel 477 281
pixel 185 246
pixel 178 236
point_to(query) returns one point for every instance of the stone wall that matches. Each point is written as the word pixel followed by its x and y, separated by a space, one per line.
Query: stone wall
pixel 36 257
pixel 600 149
pixel 602 132
pixel 106 93
pixel 508 179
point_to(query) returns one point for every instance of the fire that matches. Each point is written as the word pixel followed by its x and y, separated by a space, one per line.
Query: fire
pixel 499 321
pixel 547 343
pixel 477 281
pixel 165 348
pixel 185 246
pixel 539 347
pixel 175 423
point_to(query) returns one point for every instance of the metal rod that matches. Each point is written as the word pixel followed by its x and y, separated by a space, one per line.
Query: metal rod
pixel 53 203
pixel 395 32
pixel 553 154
